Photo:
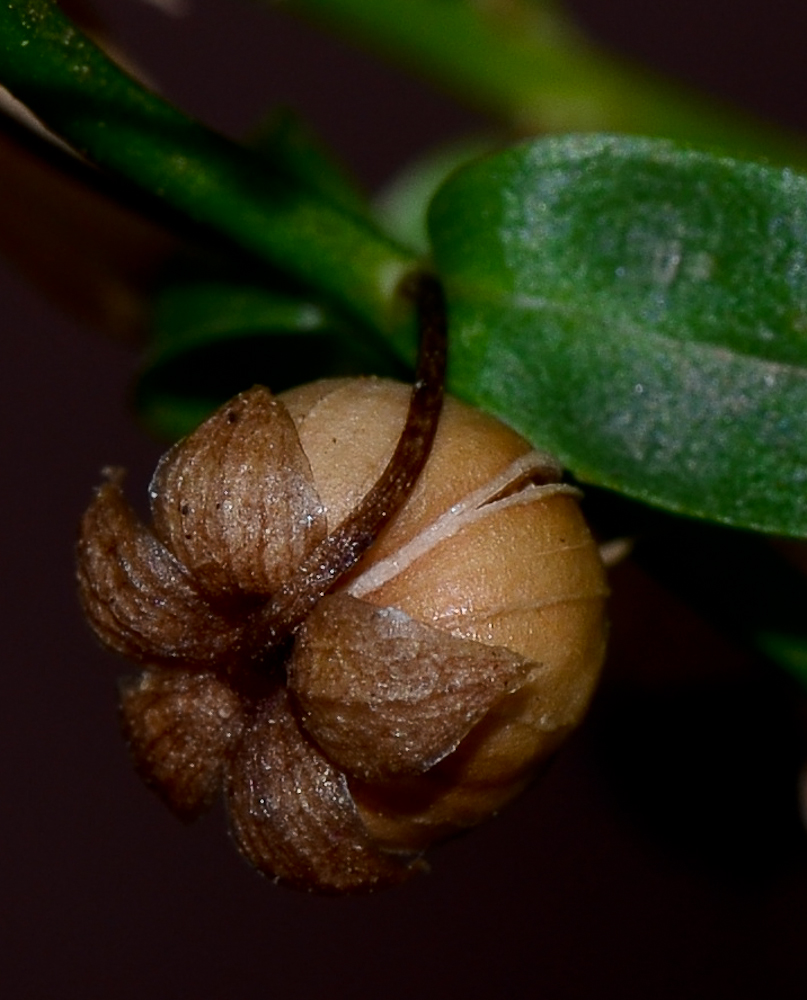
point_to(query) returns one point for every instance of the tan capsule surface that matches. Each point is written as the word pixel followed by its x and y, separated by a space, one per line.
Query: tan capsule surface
pixel 522 573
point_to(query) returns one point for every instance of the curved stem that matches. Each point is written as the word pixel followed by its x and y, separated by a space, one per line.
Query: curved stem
pixel 341 550
pixel 121 126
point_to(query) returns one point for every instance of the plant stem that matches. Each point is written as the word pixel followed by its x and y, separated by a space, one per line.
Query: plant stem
pixel 121 126
pixel 340 551
pixel 528 64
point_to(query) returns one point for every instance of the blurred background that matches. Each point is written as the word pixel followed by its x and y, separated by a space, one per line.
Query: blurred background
pixel 662 855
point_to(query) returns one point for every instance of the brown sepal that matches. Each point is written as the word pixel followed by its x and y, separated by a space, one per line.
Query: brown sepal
pixel 139 599
pixel 235 501
pixel 293 816
pixel 384 695
pixel 181 726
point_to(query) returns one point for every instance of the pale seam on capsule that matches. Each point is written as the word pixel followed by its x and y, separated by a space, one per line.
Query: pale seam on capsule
pixel 474 506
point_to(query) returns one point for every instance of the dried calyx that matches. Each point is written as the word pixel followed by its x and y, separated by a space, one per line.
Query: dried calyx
pixel 362 659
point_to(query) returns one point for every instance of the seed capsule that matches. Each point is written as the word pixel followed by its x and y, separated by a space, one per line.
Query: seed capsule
pixel 489 548
pixel 415 698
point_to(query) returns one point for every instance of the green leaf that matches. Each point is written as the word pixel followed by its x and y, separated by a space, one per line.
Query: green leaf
pixel 402 206
pixel 640 309
pixel 217 331
pixel 289 144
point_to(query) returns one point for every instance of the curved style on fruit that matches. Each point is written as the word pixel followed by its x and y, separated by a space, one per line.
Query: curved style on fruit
pixel 415 698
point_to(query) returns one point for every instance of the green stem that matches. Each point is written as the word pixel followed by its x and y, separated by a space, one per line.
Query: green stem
pixel 119 125
pixel 525 62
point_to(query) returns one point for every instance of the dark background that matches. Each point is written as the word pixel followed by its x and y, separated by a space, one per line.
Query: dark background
pixel 660 857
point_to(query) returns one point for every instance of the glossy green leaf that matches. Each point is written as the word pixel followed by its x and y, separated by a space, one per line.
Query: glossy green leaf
pixel 640 309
